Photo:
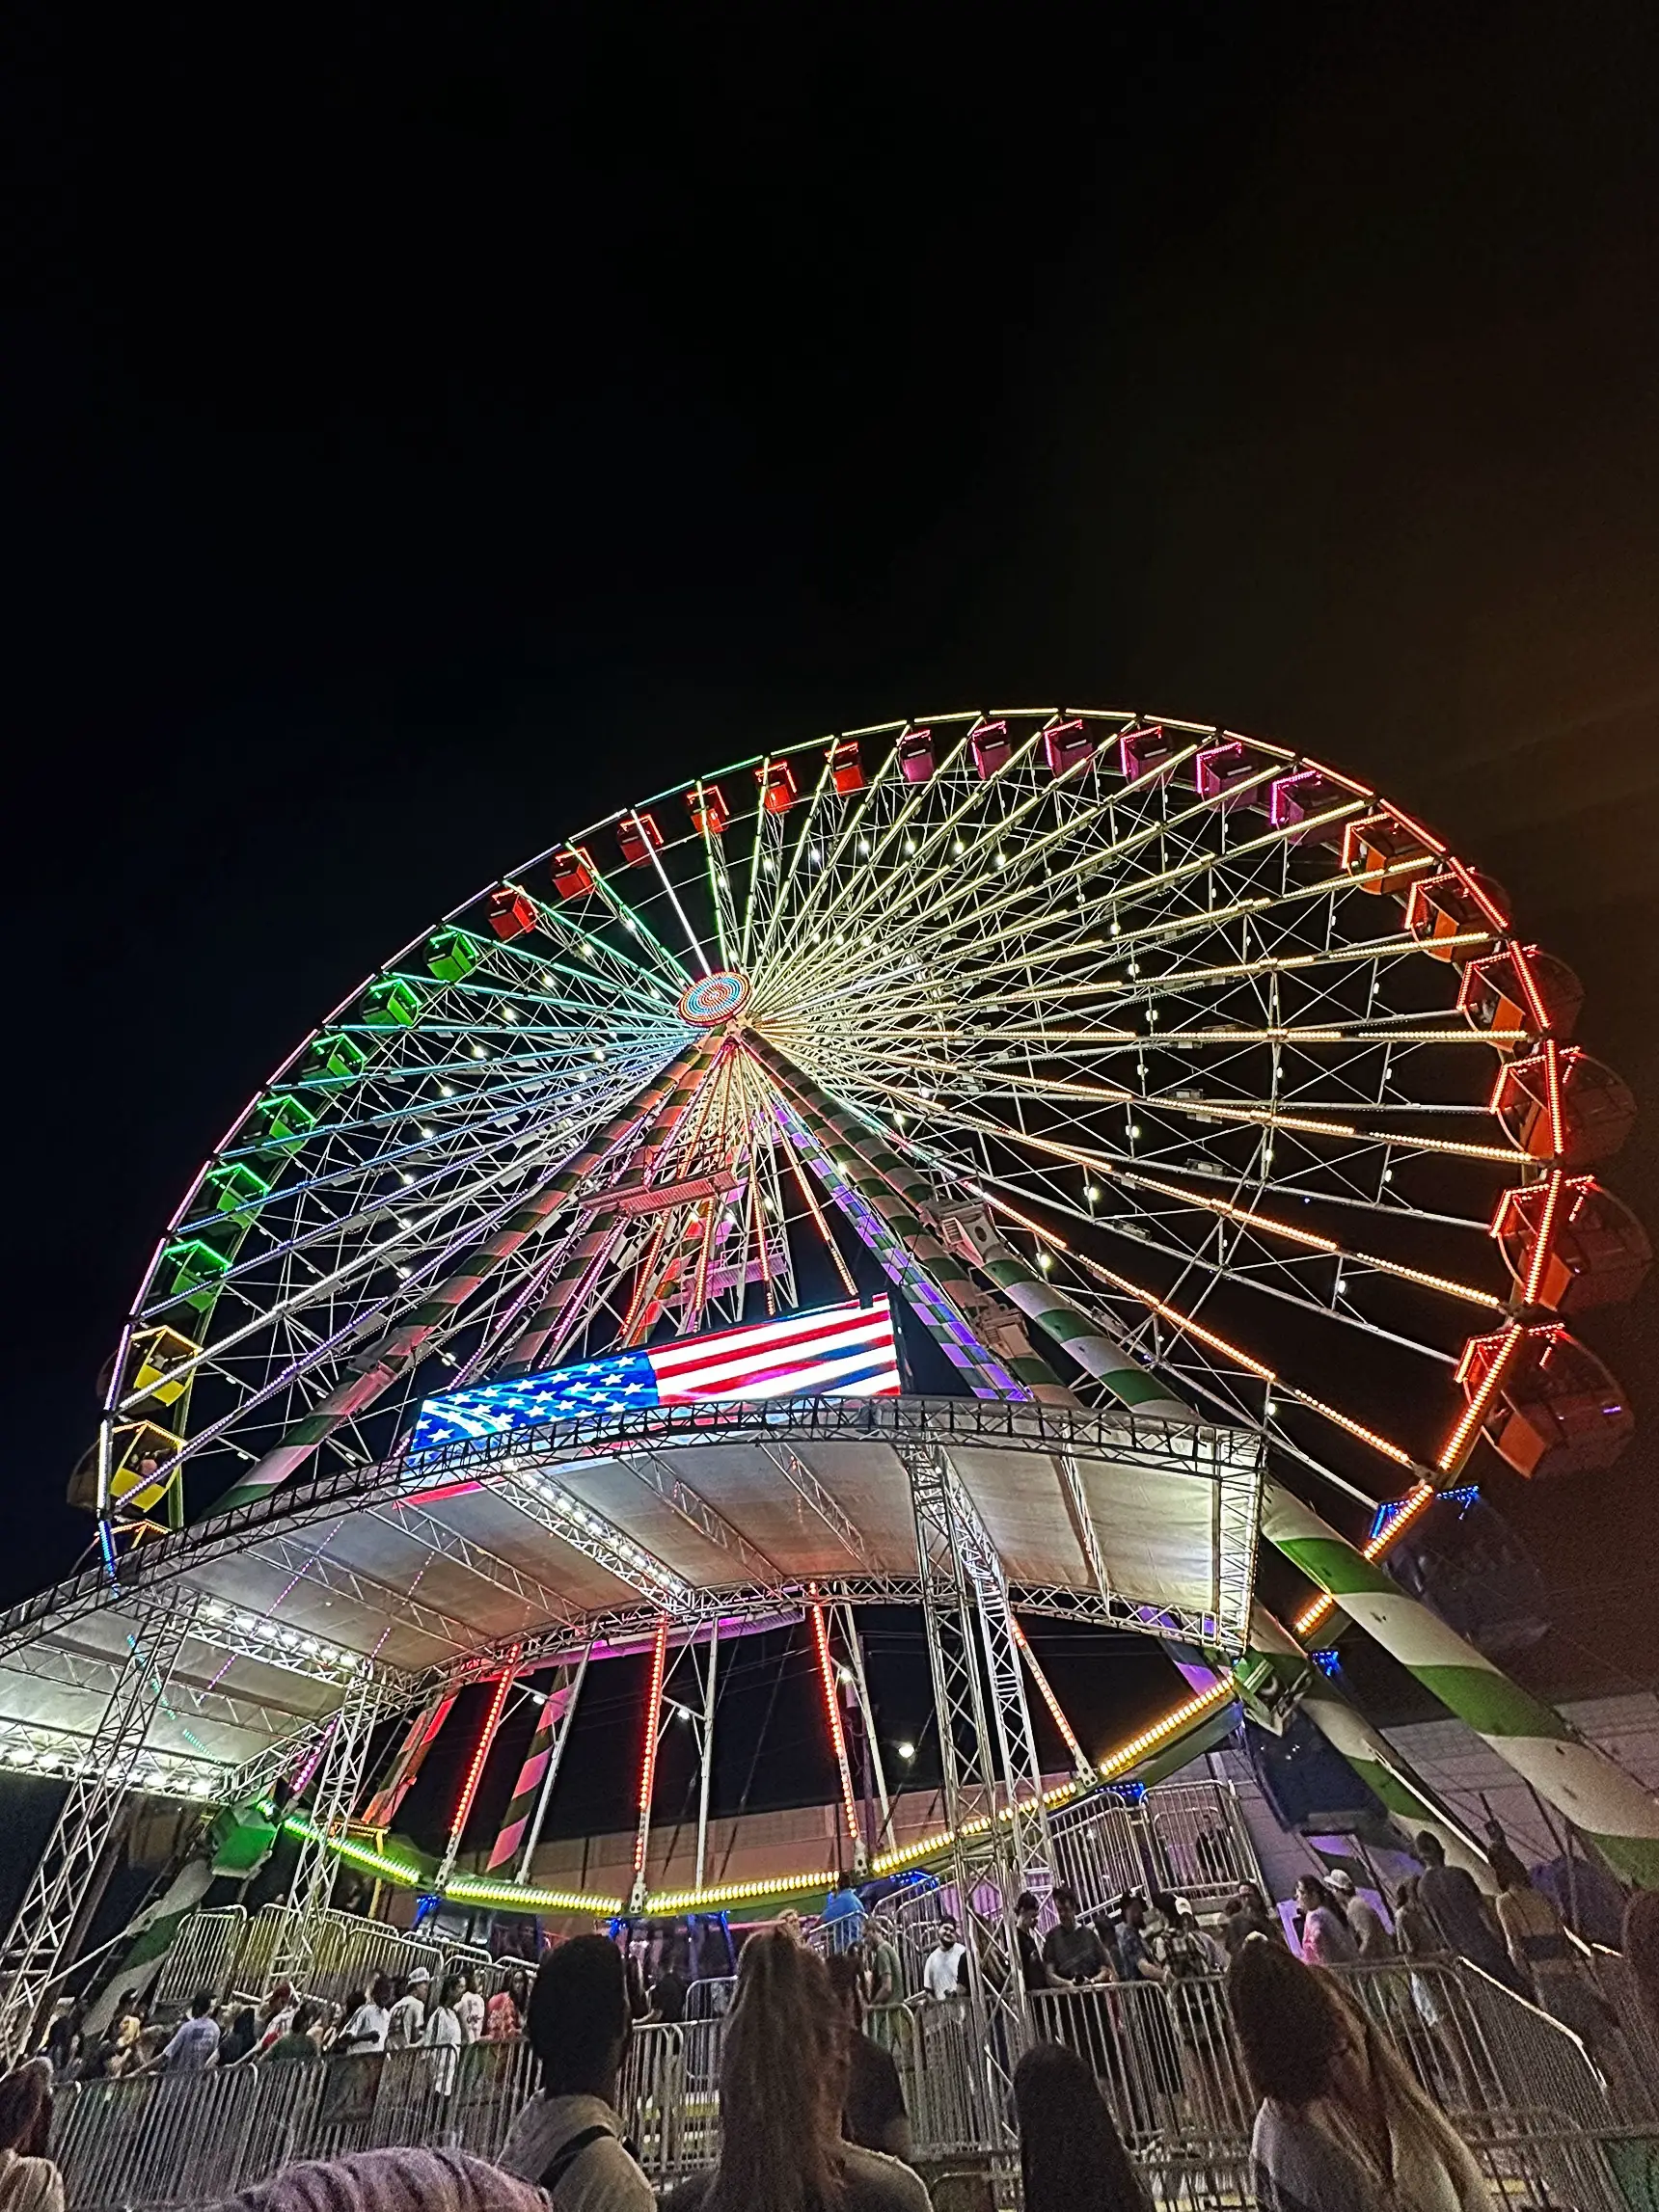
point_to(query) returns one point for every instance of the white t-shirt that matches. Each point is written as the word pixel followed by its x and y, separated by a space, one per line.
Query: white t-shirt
pixel 444 2039
pixel 470 2006
pixel 365 2029
pixel 405 2023
pixel 942 1976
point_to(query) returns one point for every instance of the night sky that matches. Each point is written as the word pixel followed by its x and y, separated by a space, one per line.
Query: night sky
pixel 421 437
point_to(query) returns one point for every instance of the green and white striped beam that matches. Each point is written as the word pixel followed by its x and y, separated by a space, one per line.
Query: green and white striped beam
pixel 1610 1806
pixel 1077 1333
pixel 1276 1675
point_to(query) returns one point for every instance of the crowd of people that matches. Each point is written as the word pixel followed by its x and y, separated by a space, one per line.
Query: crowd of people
pixel 812 2105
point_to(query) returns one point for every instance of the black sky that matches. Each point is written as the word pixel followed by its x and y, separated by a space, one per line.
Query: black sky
pixel 423 435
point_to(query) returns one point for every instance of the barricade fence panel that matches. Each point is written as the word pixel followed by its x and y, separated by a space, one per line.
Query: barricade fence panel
pixel 202 1956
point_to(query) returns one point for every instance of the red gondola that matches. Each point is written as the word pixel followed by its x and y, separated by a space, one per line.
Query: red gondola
pixel 1580 1113
pixel 991 746
pixel 1386 852
pixel 1552 1407
pixel 1521 988
pixel 846 768
pixel 1595 1253
pixel 511 914
pixel 916 756
pixel 639 836
pixel 708 809
pixel 572 872
pixel 1442 908
pixel 1066 745
pixel 776 781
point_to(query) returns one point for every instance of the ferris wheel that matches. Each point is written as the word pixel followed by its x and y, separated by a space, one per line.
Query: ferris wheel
pixel 1195 1044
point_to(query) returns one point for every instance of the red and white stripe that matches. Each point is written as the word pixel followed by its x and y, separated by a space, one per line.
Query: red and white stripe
pixel 838 1350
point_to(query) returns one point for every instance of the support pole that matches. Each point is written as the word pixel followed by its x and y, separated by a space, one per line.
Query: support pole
pixel 1276 1675
pixel 560 1744
pixel 1612 1809
pixel 649 1761
pixel 32 1957
pixel 838 1735
pixel 340 1770
pixel 1081 1764
pixel 983 1850
pixel 867 1714
pixel 1084 1337
pixel 475 1775
pixel 707 1761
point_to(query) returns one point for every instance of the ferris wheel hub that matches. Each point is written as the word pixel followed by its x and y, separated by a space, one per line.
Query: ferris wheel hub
pixel 714 999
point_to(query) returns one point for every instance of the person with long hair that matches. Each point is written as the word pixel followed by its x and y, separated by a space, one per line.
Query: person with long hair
pixel 1341 2126
pixel 1072 2157
pixel 783 2081
pixel 29 2179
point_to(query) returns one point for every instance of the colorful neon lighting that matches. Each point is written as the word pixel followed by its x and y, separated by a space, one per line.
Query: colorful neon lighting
pixel 648 1760
pixel 1392 1523
pixel 481 1753
pixel 1485 1391
pixel 1545 1239
pixel 832 1709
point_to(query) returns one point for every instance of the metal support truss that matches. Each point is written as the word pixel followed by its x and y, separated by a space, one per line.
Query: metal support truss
pixel 561 1513
pixel 984 1855
pixel 46 1921
pixel 341 1766
pixel 866 1715
pixel 807 1487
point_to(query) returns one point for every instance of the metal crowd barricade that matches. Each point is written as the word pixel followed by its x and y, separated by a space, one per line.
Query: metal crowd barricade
pixel 710 1999
pixel 257 1951
pixel 1186 1837
pixel 202 1956
pixel 350 1951
pixel 155 2139
pixel 674 2131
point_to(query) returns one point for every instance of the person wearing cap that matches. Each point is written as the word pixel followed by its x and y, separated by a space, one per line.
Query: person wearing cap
pixel 1366 1925
pixel 406 2022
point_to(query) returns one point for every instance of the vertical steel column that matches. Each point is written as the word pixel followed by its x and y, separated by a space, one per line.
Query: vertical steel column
pixel 45 1920
pixel 981 1848
pixel 706 1759
pixel 556 1760
pixel 341 1769
pixel 1016 1740
pixel 867 1713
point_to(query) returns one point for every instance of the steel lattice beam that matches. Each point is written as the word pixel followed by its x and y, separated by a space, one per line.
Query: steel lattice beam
pixel 45 1920
pixel 339 1778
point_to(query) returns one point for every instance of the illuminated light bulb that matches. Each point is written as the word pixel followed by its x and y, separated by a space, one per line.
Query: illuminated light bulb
pixel 1388 1175
pixel 905 1750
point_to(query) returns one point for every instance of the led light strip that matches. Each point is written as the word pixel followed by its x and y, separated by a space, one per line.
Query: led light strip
pixel 832 1709
pixel 1401 1514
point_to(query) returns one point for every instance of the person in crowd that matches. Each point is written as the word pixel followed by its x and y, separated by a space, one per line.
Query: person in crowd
pixel 873 2112
pixel 504 2014
pixel 66 2035
pixel 406 2022
pixel 364 2029
pixel 29 2178
pixel 944 1970
pixel 843 1914
pixel 568 2138
pixel 1136 1957
pixel 1185 1947
pixel 276 2017
pixel 672 1986
pixel 239 2035
pixel 1071 2158
pixel 301 2040
pixel 1371 1932
pixel 1452 1901
pixel 783 2077
pixel 117 2052
pixel 1326 1937
pixel 444 2033
pixel 1246 1915
pixel 880 1967
pixel 400 2180
pixel 1033 1974
pixel 1341 2124
pixel 194 2044
pixel 1072 1953
pixel 470 2007
pixel 1542 1953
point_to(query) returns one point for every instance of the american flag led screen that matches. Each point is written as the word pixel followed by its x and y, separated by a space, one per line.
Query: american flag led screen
pixel 837 1351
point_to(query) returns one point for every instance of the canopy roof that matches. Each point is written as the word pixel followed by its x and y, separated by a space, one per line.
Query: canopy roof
pixel 518 1549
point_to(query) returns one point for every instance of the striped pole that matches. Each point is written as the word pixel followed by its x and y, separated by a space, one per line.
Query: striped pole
pixel 1275 1673
pixel 410 1758
pixel 521 1829
pixel 375 1371
pixel 1612 1809
pixel 1077 1332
